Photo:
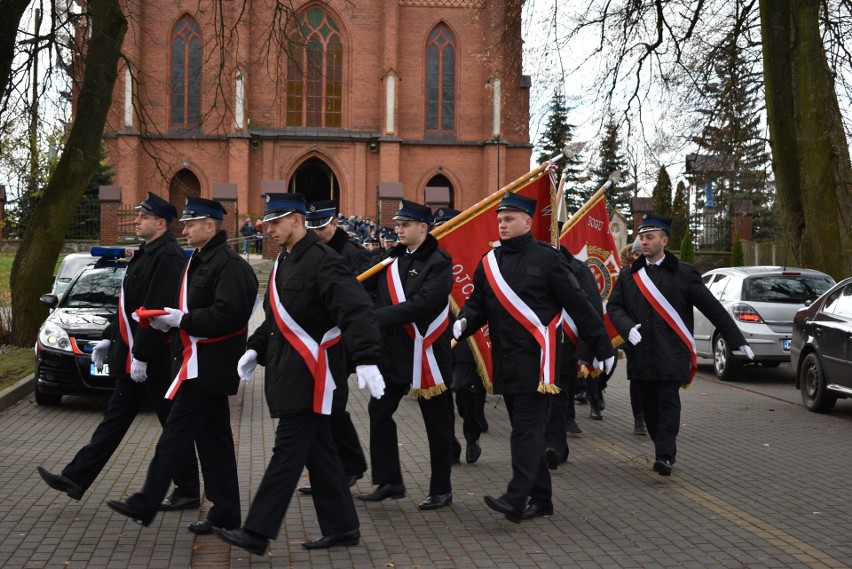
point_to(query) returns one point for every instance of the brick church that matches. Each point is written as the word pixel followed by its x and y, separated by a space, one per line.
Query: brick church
pixel 365 102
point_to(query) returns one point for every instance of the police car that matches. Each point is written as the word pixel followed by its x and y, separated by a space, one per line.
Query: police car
pixel 76 323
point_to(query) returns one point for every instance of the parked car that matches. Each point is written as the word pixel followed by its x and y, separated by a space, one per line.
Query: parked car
pixel 821 348
pixel 762 300
pixel 65 341
pixel 69 268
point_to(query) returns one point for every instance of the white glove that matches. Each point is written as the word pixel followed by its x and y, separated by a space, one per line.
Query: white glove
pixel 458 327
pixel 99 352
pixel 608 364
pixel 170 320
pixel 138 370
pixel 634 337
pixel 371 377
pixel 246 365
pixel 746 349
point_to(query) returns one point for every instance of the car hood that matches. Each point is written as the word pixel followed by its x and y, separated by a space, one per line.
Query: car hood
pixel 80 320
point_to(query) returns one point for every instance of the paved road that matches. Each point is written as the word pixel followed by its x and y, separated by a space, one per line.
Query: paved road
pixel 760 482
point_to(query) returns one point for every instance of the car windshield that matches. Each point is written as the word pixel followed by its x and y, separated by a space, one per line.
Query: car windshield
pixel 95 288
pixel 795 289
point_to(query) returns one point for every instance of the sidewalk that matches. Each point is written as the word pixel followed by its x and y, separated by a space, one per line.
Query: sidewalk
pixel 759 482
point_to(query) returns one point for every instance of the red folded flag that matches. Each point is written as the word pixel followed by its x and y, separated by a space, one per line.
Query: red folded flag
pixel 143 314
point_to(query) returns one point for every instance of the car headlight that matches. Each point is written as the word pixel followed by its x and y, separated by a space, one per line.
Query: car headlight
pixel 52 336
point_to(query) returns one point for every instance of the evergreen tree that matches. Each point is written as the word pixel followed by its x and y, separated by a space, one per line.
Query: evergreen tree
pixel 733 137
pixel 663 193
pixel 737 255
pixel 558 134
pixel 680 213
pixel 687 249
pixel 611 159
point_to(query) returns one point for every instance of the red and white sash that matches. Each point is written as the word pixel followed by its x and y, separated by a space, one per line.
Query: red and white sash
pixel 569 326
pixel 124 328
pixel 189 366
pixel 426 378
pixel 664 308
pixel 314 354
pixel 545 335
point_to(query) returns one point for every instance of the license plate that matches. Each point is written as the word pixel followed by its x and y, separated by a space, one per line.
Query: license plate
pixel 93 370
pixel 786 345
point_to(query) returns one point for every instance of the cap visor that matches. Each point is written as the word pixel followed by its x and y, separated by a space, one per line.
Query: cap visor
pixel 276 215
pixel 191 217
pixel 317 223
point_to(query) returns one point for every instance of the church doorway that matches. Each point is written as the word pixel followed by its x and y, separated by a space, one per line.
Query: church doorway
pixel 184 183
pixel 315 180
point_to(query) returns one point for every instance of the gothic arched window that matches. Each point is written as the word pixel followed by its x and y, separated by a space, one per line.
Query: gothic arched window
pixel 440 79
pixel 315 73
pixel 186 72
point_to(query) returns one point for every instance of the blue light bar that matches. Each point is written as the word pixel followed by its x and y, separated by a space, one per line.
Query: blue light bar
pixel 108 252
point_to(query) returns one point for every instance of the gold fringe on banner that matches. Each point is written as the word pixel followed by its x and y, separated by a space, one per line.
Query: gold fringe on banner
pixel 548 388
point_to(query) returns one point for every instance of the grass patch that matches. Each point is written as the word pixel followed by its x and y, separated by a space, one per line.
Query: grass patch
pixel 15 363
pixel 6 260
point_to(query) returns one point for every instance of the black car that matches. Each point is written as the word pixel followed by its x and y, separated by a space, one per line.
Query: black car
pixel 821 348
pixel 65 340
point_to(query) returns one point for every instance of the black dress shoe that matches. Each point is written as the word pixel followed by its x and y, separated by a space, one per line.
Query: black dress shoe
pixel 243 538
pixel 383 492
pixel 512 514
pixel 435 501
pixel 639 426
pixel 61 483
pixel 204 527
pixel 174 503
pixel 472 452
pixel 663 467
pixel 536 511
pixel 126 509
pixel 306 490
pixel 326 541
pixel 551 458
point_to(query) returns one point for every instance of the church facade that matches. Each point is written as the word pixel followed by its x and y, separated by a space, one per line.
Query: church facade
pixel 364 102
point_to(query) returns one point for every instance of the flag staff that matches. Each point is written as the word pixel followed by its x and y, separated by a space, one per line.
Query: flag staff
pixel 614 177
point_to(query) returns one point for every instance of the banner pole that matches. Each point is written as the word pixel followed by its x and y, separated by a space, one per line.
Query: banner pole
pixel 613 178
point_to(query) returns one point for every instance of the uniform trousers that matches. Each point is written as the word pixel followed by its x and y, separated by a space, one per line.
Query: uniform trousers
pixel 123 406
pixel 530 478
pixel 635 400
pixel 560 410
pixel 347 443
pixel 303 440
pixel 661 405
pixel 206 419
pixel 469 395
pixel 438 420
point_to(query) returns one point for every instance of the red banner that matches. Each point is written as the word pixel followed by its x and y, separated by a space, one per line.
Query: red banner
pixel 589 239
pixel 470 240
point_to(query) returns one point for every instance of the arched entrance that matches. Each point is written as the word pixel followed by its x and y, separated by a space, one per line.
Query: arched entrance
pixel 184 183
pixel 315 180
pixel 439 192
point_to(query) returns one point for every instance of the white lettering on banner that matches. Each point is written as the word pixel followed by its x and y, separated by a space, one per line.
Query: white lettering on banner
pixel 460 277
pixel 595 223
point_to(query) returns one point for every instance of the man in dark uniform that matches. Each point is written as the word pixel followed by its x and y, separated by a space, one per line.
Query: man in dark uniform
pixel 215 300
pixel 313 302
pixel 466 384
pixel 520 290
pixel 321 217
pixel 413 313
pixel 138 358
pixel 571 349
pixel 374 248
pixel 657 294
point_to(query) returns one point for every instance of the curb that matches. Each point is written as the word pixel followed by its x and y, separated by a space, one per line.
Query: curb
pixel 16 392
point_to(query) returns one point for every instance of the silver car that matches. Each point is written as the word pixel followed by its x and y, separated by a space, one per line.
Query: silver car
pixel 762 300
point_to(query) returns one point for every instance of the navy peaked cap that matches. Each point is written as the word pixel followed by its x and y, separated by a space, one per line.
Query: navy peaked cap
pixel 654 222
pixel 199 208
pixel 444 214
pixel 155 205
pixel 320 213
pixel 412 211
pixel 517 202
pixel 279 205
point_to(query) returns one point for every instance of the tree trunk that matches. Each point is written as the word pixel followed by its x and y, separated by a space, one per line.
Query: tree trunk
pixel 42 242
pixel 810 157
pixel 13 11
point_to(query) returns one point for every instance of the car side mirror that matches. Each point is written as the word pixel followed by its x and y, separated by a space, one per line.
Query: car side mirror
pixel 51 300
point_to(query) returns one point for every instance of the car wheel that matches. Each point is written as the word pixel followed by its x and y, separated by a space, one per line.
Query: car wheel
pixel 46 399
pixel 815 395
pixel 726 366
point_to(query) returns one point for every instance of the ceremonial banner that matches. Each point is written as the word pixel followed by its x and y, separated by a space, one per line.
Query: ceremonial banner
pixel 468 241
pixel 589 239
